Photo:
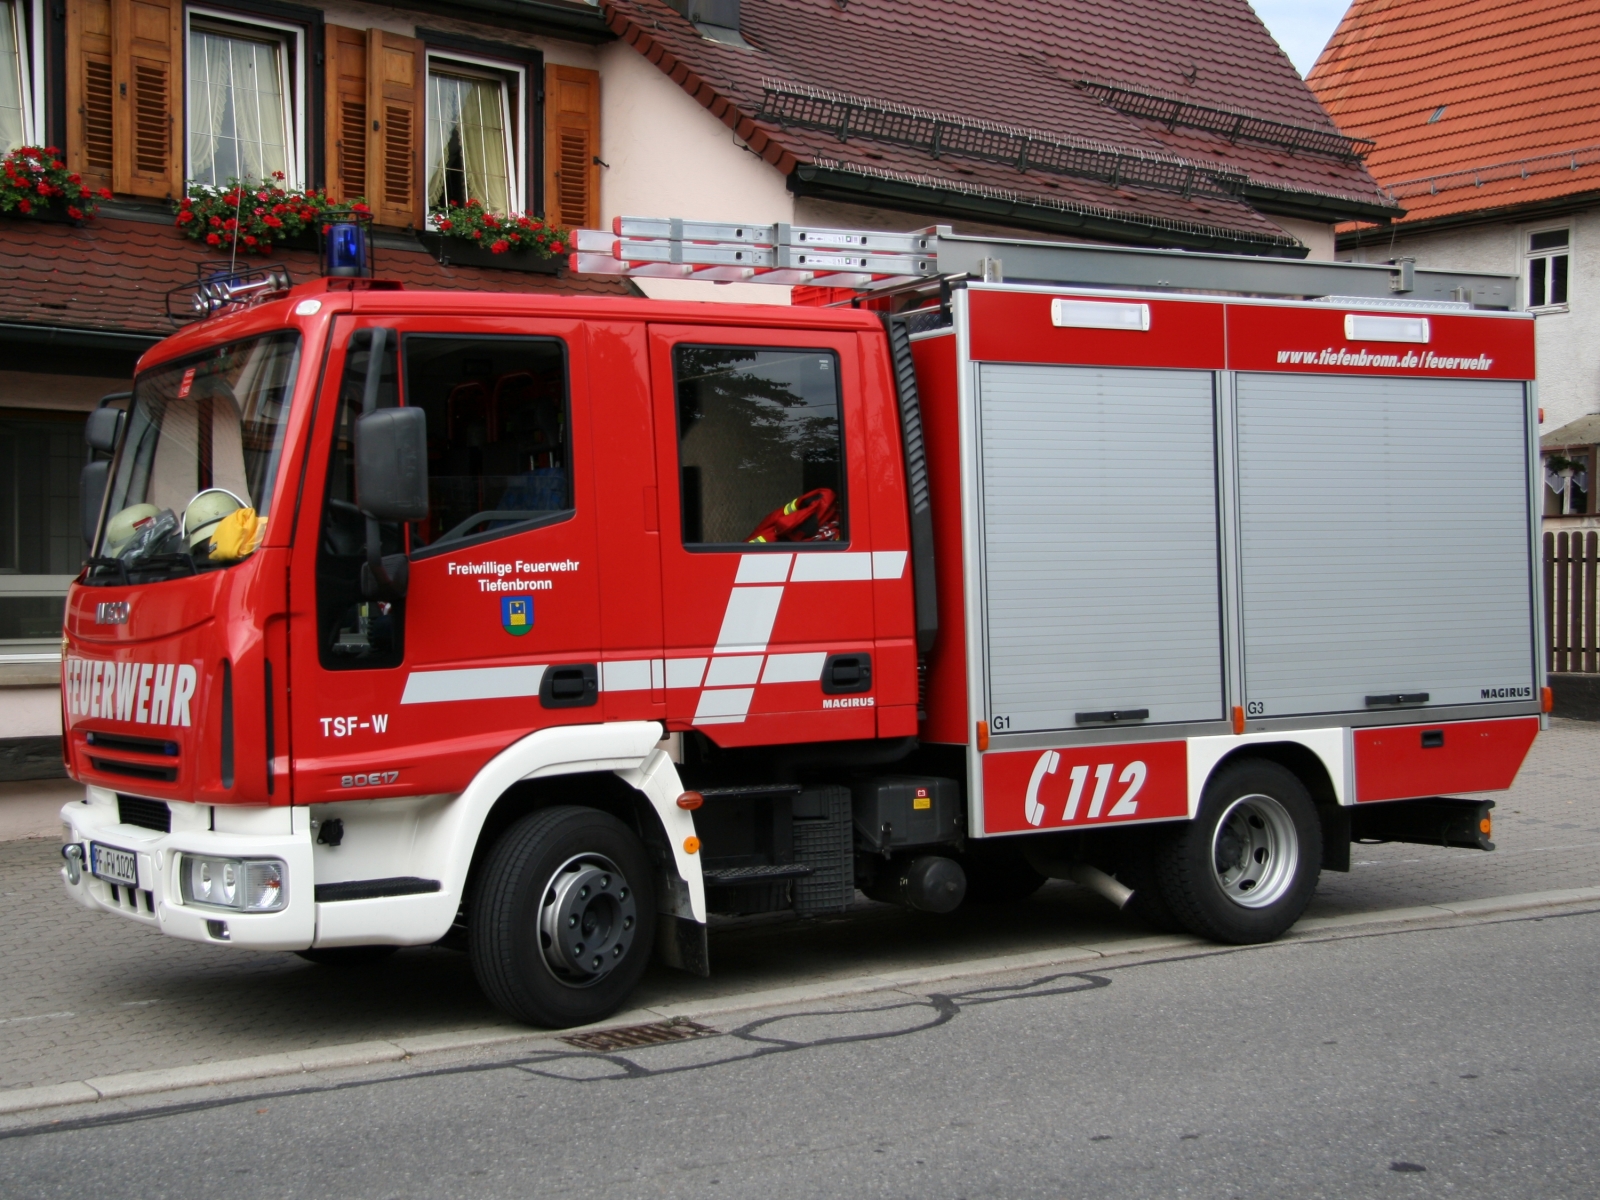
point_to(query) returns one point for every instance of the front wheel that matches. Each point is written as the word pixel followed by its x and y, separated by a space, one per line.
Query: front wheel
pixel 563 918
pixel 1245 868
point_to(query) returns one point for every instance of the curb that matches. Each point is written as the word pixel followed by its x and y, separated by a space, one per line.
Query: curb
pixel 20 1101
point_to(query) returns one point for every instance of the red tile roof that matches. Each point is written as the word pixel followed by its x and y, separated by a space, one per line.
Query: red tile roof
pixel 114 275
pixel 1514 84
pixel 1020 66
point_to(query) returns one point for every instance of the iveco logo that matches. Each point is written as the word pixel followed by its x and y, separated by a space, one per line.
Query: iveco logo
pixel 111 612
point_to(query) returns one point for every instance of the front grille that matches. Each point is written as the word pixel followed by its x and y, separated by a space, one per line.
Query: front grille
pixel 116 766
pixel 132 745
pixel 147 814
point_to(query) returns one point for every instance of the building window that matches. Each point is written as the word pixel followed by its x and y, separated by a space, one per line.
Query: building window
pixel 759 445
pixel 474 142
pixel 17 72
pixel 243 97
pixel 1566 481
pixel 41 548
pixel 1549 266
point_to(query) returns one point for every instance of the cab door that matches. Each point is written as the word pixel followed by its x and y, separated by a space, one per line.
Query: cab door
pixel 766 549
pixel 496 634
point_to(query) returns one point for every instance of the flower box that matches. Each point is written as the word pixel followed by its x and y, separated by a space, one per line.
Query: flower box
pixel 459 252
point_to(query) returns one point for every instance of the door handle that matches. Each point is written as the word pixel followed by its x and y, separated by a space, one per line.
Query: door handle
pixel 843 674
pixel 571 685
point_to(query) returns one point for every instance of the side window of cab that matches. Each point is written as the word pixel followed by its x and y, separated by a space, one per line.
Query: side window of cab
pixel 499 463
pixel 760 447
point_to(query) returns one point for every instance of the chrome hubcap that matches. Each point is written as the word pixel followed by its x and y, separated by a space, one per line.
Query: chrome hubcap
pixel 587 921
pixel 1254 851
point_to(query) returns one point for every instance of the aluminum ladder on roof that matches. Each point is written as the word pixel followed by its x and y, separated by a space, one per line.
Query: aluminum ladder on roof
pixel 871 261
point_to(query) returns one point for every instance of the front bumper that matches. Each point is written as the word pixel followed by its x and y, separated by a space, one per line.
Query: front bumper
pixel 282 833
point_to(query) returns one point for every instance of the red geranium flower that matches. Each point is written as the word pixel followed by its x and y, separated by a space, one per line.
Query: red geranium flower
pixel 213 240
pixel 500 247
pixel 25 205
pixel 74 212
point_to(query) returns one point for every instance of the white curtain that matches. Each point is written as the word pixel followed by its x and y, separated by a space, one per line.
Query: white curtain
pixel 468 146
pixel 237 127
pixel 13 76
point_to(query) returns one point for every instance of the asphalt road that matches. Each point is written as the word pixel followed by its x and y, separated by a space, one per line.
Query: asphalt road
pixel 1433 1061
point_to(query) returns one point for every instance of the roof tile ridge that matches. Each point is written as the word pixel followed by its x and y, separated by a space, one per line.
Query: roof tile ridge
pixel 989 191
pixel 1017 131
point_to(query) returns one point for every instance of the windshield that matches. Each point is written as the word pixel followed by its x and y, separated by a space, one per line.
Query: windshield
pixel 193 479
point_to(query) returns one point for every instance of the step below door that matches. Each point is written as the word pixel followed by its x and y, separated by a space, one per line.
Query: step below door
pixel 1100 549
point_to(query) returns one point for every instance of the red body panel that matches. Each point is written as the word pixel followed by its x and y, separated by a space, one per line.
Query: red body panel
pixel 1081 786
pixel 946 700
pixel 1476 756
pixel 1016 327
pixel 1268 337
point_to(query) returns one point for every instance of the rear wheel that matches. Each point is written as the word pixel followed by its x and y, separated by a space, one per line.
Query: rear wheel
pixel 563 918
pixel 1245 868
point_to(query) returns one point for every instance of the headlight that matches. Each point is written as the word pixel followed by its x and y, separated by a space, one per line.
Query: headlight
pixel 245 885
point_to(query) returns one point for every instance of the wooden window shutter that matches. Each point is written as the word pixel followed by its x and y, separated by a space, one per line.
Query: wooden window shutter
pixel 346 109
pixel 571 142
pixel 147 38
pixel 90 139
pixel 396 76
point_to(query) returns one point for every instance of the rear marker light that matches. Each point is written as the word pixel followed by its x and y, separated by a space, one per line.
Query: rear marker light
pixel 1547 700
pixel 1238 718
pixel 1486 826
pixel 691 800
pixel 983 736
pixel 1099 314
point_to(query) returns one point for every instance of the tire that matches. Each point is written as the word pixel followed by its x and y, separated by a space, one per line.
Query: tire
pixel 998 874
pixel 1137 869
pixel 563 918
pixel 1245 868
pixel 347 956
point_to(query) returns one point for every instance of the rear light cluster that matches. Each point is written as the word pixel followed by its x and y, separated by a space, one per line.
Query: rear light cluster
pixel 244 885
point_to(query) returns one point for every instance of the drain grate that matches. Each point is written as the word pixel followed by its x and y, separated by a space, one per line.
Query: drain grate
pixel 631 1037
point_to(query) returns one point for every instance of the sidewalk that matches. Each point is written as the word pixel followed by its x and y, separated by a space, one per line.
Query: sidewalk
pixel 85 995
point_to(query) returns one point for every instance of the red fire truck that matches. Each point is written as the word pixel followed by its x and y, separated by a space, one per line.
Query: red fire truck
pixel 545 626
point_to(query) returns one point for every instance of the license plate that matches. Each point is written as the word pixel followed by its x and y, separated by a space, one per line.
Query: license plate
pixel 113 865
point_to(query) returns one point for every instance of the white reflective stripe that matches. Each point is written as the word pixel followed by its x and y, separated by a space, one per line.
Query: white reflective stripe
pixel 479 683
pixel 685 672
pixel 763 568
pixel 794 668
pixel 823 567
pixel 888 564
pixel 723 705
pixel 658 673
pixel 747 624
pixel 630 675
pixel 727 671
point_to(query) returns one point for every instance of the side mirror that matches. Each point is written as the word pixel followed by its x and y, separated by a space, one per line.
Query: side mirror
pixel 392 464
pixel 101 430
pixel 92 493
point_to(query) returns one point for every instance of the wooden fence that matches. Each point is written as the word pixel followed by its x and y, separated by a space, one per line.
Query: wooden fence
pixel 1571 565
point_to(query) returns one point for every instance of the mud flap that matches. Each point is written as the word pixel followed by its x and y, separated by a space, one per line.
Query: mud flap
pixel 681 943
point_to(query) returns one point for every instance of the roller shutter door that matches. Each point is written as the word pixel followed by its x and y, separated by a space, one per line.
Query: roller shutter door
pixel 1100 544
pixel 1383 541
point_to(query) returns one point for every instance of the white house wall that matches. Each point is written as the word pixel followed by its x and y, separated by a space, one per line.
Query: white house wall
pixel 669 157
pixel 1567 343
